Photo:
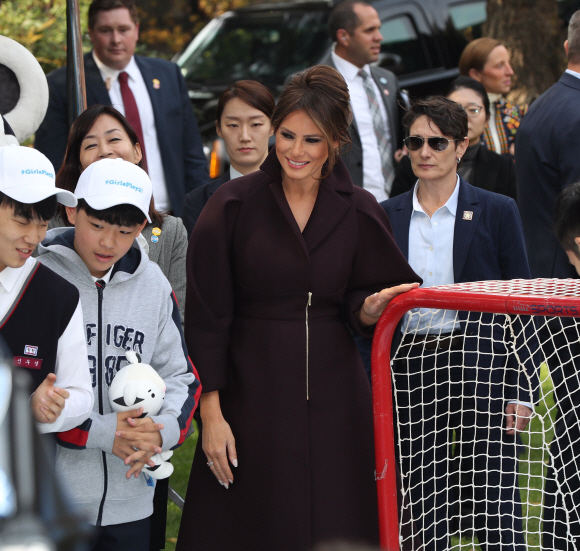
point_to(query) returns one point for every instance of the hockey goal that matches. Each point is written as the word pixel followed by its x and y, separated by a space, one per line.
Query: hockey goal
pixel 450 366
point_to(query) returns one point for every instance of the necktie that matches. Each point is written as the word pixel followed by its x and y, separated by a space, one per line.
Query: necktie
pixel 132 113
pixel 381 132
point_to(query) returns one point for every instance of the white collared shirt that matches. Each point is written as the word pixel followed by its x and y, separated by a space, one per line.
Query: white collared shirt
pixel 573 73
pixel 234 173
pixel 431 257
pixel 71 368
pixel 143 100
pixel 373 179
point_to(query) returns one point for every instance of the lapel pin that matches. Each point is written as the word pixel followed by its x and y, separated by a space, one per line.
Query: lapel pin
pixel 467 215
pixel 156 231
pixel 383 80
pixel 386 92
pixel 154 239
pixel 156 84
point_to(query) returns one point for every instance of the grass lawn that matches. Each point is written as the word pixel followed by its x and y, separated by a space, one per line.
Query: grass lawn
pixel 181 460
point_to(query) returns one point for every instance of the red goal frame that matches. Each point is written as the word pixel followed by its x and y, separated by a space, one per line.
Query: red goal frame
pixel 542 297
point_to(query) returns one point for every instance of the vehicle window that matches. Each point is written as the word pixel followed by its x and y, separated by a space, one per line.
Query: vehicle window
pixel 401 49
pixel 264 47
pixel 468 19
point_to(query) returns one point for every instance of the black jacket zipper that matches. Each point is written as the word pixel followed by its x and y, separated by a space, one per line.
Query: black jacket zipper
pixel 100 288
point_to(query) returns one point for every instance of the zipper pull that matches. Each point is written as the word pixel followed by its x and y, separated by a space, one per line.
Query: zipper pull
pixel 309 299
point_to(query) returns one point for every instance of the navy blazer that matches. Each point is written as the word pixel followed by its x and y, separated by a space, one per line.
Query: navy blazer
pixel 489 246
pixel 195 201
pixel 548 146
pixel 184 163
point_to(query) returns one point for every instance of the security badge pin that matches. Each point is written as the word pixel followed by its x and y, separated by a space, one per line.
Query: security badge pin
pixel 156 84
pixel 467 215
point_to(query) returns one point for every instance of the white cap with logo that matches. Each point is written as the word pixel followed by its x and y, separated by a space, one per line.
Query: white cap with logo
pixel 111 182
pixel 27 176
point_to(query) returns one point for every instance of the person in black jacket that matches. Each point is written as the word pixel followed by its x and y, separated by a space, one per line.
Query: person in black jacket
pixel 479 166
pixel 243 118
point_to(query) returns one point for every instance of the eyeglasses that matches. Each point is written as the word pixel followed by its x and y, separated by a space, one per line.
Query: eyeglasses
pixel 473 110
pixel 436 143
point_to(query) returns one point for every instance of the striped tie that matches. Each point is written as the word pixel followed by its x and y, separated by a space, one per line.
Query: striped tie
pixel 381 132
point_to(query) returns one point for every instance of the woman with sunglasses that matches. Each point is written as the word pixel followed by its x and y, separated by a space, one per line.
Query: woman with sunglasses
pixel 452 232
pixel 479 166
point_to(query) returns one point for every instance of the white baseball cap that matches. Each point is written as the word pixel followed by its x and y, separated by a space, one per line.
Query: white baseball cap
pixel 111 182
pixel 27 176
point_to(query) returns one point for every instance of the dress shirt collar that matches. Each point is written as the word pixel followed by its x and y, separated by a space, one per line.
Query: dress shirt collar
pixel 493 98
pixel 106 278
pixel 234 173
pixel 107 72
pixel 347 69
pixel 451 203
pixel 573 73
pixel 9 276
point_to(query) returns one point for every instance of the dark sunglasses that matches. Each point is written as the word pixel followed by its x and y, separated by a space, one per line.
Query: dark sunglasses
pixel 436 143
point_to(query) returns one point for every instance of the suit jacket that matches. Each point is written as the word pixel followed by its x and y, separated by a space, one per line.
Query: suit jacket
pixel 491 171
pixel 490 246
pixel 184 163
pixel 389 86
pixel 195 200
pixel 548 146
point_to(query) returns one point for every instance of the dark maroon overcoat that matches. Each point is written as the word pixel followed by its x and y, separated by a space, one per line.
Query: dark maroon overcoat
pixel 291 383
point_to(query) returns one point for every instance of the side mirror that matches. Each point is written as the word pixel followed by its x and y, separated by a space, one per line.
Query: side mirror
pixel 391 62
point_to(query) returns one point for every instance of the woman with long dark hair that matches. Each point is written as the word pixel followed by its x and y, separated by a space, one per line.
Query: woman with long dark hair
pixel 278 261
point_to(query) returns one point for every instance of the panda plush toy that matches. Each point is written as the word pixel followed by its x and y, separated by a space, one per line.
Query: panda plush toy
pixel 138 385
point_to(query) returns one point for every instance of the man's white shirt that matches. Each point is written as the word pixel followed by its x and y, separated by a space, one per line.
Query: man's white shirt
pixel 143 100
pixel 373 179
pixel 72 368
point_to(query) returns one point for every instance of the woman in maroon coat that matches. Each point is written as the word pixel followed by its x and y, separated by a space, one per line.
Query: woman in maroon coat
pixel 278 262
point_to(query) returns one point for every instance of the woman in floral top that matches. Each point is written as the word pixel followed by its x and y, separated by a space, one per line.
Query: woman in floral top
pixel 488 61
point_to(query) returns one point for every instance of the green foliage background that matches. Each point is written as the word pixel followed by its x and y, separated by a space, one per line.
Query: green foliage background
pixel 166 26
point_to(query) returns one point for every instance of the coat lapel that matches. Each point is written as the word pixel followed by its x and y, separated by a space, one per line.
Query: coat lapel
pixel 465 224
pixel 401 220
pixel 388 91
pixel 156 95
pixel 329 209
pixel 96 87
pixel 484 170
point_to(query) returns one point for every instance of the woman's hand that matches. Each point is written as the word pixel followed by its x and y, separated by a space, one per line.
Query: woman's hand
pixel 218 442
pixel 374 305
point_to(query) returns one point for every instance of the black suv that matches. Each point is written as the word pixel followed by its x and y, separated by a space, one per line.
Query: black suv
pixel 422 42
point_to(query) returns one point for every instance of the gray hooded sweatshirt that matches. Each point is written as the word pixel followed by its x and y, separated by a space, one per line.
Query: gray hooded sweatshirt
pixel 135 311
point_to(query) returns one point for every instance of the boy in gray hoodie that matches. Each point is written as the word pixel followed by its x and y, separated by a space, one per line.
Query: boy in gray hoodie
pixel 128 304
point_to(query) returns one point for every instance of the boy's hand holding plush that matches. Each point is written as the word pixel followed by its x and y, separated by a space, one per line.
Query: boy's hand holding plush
pixel 138 439
pixel 48 400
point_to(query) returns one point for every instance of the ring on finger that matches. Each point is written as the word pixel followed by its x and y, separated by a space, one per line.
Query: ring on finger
pixel 209 463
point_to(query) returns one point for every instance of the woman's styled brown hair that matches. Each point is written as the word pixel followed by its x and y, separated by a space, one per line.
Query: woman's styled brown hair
pixel 476 53
pixel 448 115
pixel 249 91
pixel 322 94
pixel 70 171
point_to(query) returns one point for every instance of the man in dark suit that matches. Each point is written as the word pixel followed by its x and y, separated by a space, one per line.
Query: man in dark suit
pixel 354 25
pixel 548 149
pixel 150 92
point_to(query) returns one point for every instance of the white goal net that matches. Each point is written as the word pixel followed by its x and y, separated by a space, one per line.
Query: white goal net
pixel 469 361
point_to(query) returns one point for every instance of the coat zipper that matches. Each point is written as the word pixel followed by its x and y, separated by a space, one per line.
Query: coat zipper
pixel 308 304
pixel 100 288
